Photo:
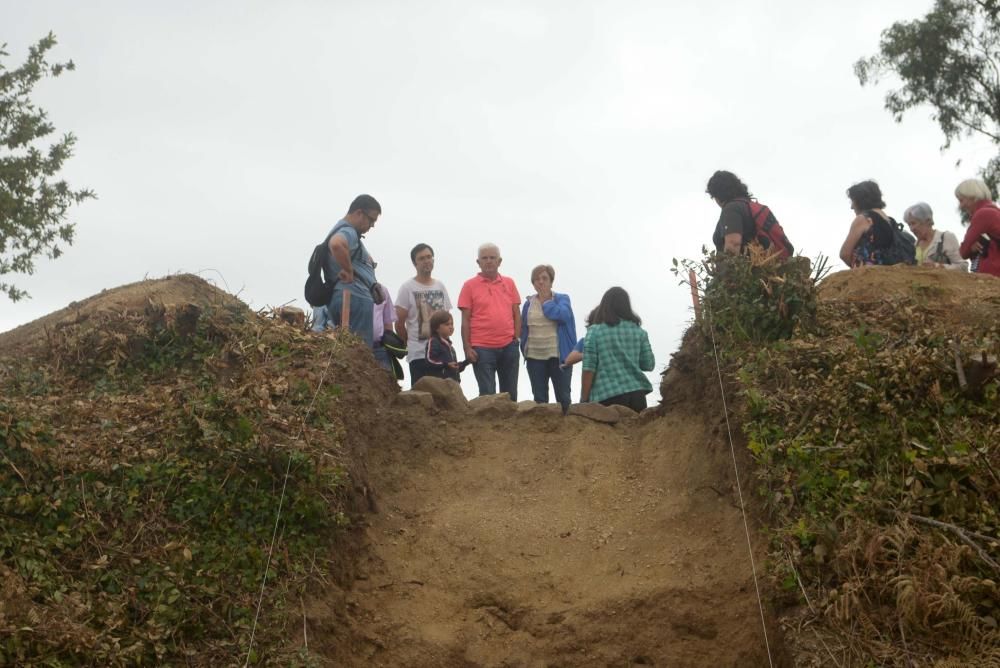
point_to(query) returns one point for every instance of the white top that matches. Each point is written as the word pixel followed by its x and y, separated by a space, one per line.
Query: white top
pixel 543 337
pixel 420 302
pixel 943 244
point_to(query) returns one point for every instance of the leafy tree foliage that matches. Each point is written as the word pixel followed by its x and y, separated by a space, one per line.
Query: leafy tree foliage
pixel 950 60
pixel 33 201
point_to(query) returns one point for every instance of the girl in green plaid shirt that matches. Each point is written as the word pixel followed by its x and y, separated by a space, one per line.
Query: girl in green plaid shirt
pixel 616 354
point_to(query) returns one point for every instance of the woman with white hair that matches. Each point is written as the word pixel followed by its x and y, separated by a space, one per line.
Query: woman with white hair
pixel 982 239
pixel 935 248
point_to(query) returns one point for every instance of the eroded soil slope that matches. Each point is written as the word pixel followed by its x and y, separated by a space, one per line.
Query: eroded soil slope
pixel 539 540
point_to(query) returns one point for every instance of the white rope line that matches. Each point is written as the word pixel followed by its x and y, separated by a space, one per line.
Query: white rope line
pixel 739 489
pixel 281 501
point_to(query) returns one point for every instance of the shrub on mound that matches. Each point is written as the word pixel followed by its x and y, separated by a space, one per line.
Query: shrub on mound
pixel 144 455
pixel 876 433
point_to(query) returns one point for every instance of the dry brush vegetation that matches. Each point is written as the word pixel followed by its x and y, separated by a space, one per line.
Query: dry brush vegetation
pixel 143 457
pixel 874 422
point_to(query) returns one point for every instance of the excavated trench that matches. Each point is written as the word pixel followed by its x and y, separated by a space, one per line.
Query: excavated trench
pixel 533 539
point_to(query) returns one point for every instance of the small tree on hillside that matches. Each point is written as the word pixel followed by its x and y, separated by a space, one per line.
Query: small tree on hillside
pixel 950 60
pixel 33 204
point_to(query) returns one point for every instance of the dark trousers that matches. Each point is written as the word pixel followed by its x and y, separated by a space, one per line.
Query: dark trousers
pixel 418 369
pixel 497 362
pixel 541 372
pixel 634 400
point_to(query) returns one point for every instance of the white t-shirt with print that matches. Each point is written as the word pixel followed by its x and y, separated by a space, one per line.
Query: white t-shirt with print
pixel 420 302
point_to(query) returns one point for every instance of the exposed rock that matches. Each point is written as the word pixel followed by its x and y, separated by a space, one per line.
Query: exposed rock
pixel 624 411
pixel 596 412
pixel 498 405
pixel 447 393
pixel 531 408
pixel 414 398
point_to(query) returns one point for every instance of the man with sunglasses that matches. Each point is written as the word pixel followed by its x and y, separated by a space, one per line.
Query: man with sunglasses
pixel 350 262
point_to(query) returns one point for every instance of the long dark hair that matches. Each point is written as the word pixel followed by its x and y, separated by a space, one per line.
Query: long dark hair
pixel 726 186
pixel 866 195
pixel 615 306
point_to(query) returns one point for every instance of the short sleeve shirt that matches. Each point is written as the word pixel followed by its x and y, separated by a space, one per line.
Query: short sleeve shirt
pixel 491 304
pixel 361 261
pixel 618 355
pixel 420 302
pixel 733 219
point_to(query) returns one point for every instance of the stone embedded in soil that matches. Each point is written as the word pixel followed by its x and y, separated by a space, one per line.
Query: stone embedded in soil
pixel 596 412
pixel 447 393
pixel 531 408
pixel 499 405
pixel 624 411
pixel 414 398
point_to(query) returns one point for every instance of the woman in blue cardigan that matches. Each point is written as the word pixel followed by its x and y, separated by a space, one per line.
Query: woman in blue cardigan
pixel 548 334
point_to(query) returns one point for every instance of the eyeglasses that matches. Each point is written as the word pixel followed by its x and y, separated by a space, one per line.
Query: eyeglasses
pixel 371 218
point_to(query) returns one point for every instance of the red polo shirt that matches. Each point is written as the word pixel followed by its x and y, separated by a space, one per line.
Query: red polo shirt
pixel 491 306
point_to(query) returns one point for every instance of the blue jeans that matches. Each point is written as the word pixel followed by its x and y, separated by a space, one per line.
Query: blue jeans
pixel 493 362
pixel 381 355
pixel 361 320
pixel 540 372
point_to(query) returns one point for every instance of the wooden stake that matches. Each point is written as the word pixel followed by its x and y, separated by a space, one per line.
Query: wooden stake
pixel 345 310
pixel 962 383
pixel 693 281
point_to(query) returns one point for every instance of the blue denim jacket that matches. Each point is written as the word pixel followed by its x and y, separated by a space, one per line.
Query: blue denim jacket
pixel 559 309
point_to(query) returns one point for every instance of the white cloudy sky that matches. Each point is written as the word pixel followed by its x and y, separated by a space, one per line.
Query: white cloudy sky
pixel 226 138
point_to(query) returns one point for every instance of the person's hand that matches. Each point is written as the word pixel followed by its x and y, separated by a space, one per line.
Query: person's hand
pixel 346 275
pixel 470 354
pixel 976 247
pixel 453 365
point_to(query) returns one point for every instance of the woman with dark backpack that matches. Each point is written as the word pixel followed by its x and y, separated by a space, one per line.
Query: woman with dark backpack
pixel 743 220
pixel 875 237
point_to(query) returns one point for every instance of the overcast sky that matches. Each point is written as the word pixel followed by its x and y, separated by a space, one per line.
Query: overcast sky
pixel 226 138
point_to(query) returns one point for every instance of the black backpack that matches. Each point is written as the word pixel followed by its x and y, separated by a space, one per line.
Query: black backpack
pixel 319 286
pixel 903 249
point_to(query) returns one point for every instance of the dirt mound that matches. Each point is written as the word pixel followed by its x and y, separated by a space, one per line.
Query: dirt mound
pixel 134 297
pixel 147 438
pixel 941 288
